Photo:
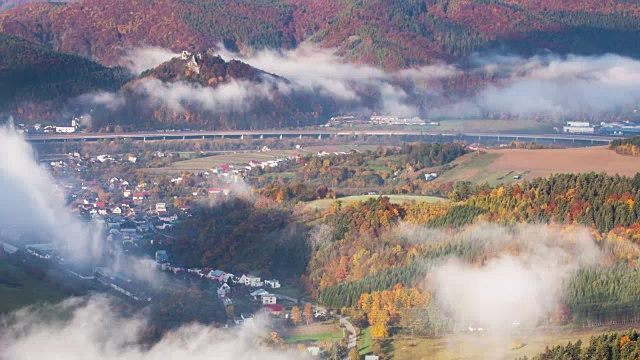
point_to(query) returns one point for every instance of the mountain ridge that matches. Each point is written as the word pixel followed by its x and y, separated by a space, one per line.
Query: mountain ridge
pixel 385 33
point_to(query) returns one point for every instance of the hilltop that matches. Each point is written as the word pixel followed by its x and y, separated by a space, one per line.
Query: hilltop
pixel 389 34
pixel 203 90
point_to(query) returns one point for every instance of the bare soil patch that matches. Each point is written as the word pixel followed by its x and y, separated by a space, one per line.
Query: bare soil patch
pixel 574 160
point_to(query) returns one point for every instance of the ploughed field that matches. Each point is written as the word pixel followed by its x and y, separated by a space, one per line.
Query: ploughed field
pixel 497 166
pixel 574 160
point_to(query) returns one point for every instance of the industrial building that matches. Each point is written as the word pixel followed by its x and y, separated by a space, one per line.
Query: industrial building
pixel 578 127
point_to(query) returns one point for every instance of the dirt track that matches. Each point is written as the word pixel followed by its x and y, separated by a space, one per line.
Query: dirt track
pixel 548 161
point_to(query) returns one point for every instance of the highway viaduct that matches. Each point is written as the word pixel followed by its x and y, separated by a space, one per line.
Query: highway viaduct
pixel 319 134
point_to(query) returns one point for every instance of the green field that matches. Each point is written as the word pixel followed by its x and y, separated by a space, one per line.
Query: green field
pixel 484 346
pixel 287 290
pixel 19 288
pixel 396 199
pixel 365 342
pixel 313 334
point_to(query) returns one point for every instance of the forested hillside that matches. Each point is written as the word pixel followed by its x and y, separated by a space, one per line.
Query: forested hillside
pixel 29 72
pixel 241 236
pixel 622 346
pixel 375 246
pixel 391 34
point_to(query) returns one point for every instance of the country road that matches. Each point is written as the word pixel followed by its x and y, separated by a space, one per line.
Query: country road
pixel 352 335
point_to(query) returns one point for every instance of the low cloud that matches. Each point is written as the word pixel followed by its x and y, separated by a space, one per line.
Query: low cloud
pixel 521 285
pixel 111 101
pixel 231 96
pixel 32 210
pixel 318 69
pixel 499 85
pixel 141 59
pixel 551 86
pixel 81 328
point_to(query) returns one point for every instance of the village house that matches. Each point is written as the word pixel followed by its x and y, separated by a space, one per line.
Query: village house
pixel 168 218
pixel 194 271
pixel 258 293
pixel 139 195
pixel 216 275
pixel 247 318
pixel 224 290
pixel 162 256
pixel 268 299
pixel 313 350
pixel 274 284
pixel 274 309
pixel 116 210
pixel 161 207
pixel 249 280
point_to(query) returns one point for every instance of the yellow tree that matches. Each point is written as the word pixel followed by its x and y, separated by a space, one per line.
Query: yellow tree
pixel 276 339
pixel 353 354
pixel 296 315
pixel 308 313
pixel 379 331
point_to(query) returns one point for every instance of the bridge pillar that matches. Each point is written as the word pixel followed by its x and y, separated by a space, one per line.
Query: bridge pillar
pixel 202 137
pixel 479 137
pixel 183 137
pixel 498 138
pixel 320 137
pixel 591 141
pixel 554 140
pixel 144 139
pixel 222 136
pixel 300 137
pixel 535 140
pixel 242 137
pixel 280 136
pixel 261 136
pixel 164 138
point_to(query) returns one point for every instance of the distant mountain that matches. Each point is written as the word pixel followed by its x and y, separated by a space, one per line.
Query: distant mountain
pixel 205 91
pixel 387 33
pixel 31 73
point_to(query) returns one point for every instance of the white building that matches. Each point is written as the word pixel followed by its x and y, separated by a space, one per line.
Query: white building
pixel 253 281
pixel 431 176
pixel 65 129
pixel 268 299
pixel 578 123
pixel 578 127
pixel 161 207
pixel 274 284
